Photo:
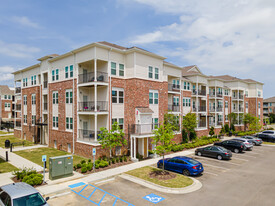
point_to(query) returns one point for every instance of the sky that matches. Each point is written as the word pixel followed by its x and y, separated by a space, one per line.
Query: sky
pixel 235 37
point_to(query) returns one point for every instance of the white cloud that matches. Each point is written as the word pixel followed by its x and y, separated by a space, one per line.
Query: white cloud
pixel 25 21
pixel 5 73
pixel 17 50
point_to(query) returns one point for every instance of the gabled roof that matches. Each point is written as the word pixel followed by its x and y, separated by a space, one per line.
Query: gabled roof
pixel 191 70
pixel 48 56
pixel 112 45
pixel 270 99
pixel 4 89
pixel 225 78
pixel 145 110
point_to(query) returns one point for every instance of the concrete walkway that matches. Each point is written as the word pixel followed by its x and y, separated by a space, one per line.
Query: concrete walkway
pixel 19 148
pixel 3 135
pixel 5 178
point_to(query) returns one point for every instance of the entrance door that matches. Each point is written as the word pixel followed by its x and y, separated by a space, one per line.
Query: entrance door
pixel 85 103
pixel 85 75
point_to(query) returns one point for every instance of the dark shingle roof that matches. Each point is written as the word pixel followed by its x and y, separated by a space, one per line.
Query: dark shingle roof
pixel 270 99
pixel 4 89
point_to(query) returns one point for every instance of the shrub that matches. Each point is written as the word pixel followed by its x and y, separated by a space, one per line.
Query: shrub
pixel 121 159
pixel 109 162
pixel 211 131
pixel 117 160
pixel 83 169
pixel 226 128
pixel 125 158
pixel 83 162
pixel 89 160
pixel 78 166
pixel 33 179
pixel 21 173
pixel 89 167
pixel 98 161
pixel 37 180
pixel 83 165
pixel 113 160
pixel 232 127
pixel 97 166
pixel 184 136
pixel 102 164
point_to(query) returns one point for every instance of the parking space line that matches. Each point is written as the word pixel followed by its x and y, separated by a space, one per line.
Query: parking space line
pixel 240 159
pixel 254 153
pixel 246 155
pixel 211 173
pixel 216 166
pixel 221 161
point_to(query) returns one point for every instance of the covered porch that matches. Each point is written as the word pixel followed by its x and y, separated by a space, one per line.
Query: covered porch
pixel 139 145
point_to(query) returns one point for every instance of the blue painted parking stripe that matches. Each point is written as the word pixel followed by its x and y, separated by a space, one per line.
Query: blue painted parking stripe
pixel 77 185
pixel 102 198
pixel 92 193
pixel 83 189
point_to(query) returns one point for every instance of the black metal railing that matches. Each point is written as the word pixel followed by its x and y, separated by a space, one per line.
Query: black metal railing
pixel 211 109
pixel 88 135
pixel 202 109
pixel 142 128
pixel 202 124
pixel 45 84
pixel 172 87
pixel 17 90
pixel 194 91
pixel 219 94
pixel 173 108
pixel 212 94
pixel 45 106
pixel 202 92
pixel 240 96
pixel 18 107
pixel 90 106
pixel 90 77
pixel 219 109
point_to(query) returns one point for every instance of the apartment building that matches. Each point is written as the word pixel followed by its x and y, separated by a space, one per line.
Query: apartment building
pixel 269 106
pixel 67 98
pixel 6 103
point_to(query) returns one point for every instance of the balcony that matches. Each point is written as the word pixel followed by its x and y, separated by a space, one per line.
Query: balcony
pixel 211 109
pixel 17 124
pixel 202 124
pixel 173 108
pixel 194 91
pixel 90 77
pixel 219 94
pixel 140 129
pixel 202 92
pixel 18 107
pixel 45 84
pixel 45 106
pixel 87 135
pixel 102 106
pixel 17 90
pixel 240 97
pixel 212 94
pixel 219 109
pixel 173 87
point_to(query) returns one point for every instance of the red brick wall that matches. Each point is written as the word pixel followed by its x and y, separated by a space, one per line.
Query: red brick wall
pixel 17 133
pixel 253 107
pixel 177 138
pixel 5 114
pixel 202 132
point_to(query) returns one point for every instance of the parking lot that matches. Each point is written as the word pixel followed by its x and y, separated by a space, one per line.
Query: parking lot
pixel 247 179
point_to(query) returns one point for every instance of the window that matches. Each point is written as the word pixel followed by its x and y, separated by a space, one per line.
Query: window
pixel 151 98
pixel 9 97
pixel 188 85
pixel 219 118
pixel 71 70
pixel 6 97
pixel 118 150
pixel 25 82
pixel 259 105
pixel 33 99
pixel 121 70
pixel 220 104
pixel 246 105
pixel 31 80
pixel 226 104
pixel 7 105
pixel 120 122
pixel 113 68
pixel 69 123
pixel 66 72
pixel 234 106
pixel 156 98
pixel 55 122
pixel 56 74
pixel 117 96
pixel 69 96
pixel 33 119
pixel 183 102
pixel 259 94
pixel 55 97
pixel 25 119
pixel 150 72
pixel 114 96
pixel 121 97
pixel 34 79
pixel 53 77
pixel 270 109
pixel 185 86
pixel 176 101
pixel 156 73
pixel 246 93
pixel 155 122
pixel 25 100
pixel 270 104
pixel 176 84
pixel 226 117
pixel 55 144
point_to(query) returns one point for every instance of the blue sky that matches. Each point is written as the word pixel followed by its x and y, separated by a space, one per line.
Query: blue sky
pixel 233 37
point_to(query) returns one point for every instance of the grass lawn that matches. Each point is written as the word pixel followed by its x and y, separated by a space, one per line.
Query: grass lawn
pixel 2 132
pixel 12 140
pixel 178 182
pixel 271 143
pixel 35 155
pixel 6 167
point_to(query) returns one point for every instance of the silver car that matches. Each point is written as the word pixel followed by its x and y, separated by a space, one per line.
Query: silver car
pixel 20 194
pixel 247 143
pixel 255 141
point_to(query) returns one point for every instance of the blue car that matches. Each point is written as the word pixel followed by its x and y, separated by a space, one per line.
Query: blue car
pixel 185 165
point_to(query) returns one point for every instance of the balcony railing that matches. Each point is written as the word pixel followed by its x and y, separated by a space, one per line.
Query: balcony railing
pixel 45 106
pixel 202 124
pixel 173 108
pixel 211 109
pixel 45 84
pixel 202 92
pixel 212 94
pixel 173 87
pixel 17 90
pixel 87 135
pixel 18 107
pixel 17 124
pixel 219 109
pixel 211 124
pixel 90 106
pixel 90 77
pixel 219 94
pixel 194 91
pixel 240 96
pixel 199 109
pixel 139 129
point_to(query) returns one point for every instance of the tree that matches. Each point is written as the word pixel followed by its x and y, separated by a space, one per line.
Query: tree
pixel 112 139
pixel 172 120
pixel 233 119
pixel 248 119
pixel 189 123
pixel 255 125
pixel 211 131
pixel 162 138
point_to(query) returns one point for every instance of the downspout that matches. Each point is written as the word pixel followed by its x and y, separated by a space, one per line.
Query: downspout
pixel 73 106
pixel 110 88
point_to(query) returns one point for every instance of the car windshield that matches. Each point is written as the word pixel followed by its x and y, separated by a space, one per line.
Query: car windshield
pixel 30 200
pixel 194 162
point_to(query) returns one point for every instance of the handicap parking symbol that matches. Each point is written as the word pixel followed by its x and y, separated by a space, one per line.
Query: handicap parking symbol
pixel 153 198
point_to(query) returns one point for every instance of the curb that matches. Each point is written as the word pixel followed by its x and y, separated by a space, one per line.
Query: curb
pixel 191 188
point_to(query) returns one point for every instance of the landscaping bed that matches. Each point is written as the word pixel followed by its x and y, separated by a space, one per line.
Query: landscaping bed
pixel 6 167
pixel 12 140
pixel 35 155
pixel 86 167
pixel 168 179
pixel 29 176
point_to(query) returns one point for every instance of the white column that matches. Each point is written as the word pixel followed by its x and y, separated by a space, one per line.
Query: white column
pixel 135 153
pixel 95 127
pixel 197 103
pixel 95 98
pixel 131 146
pixel 95 69
pixel 147 146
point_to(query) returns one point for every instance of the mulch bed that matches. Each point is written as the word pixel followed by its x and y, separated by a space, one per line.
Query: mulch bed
pixel 106 168
pixel 162 175
pixel 17 180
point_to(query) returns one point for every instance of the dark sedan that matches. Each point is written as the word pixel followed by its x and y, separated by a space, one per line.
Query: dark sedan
pixel 214 151
pixel 267 136
pixel 185 165
pixel 233 146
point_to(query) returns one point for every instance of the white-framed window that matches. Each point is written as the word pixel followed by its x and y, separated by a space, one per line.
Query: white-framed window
pixel 33 119
pixel 186 102
pixel 33 80
pixel 6 96
pixel 226 117
pixel 270 104
pixel 270 109
pixel 220 105
pixel 153 97
pixel 9 96
pixel 53 75
pixel 69 96
pixel 25 82
pixel 117 95
pixel 113 68
pixel 71 70
pixel 155 122
pixel 57 74
pixel 176 84
pixel 120 122
pixel 246 93
pixel 226 104
pixel 176 101
pixel 246 105
pixel 69 123
pixel 25 119
pixel 121 70
pixel 219 118
pixel 66 72
pixel 55 97
pixel 150 72
pixel 33 99
pixel 7 105
pixel 259 105
pixel 156 73
pixel 55 122
pixel 259 93
pixel 25 100
pixel 186 85
pixel 234 106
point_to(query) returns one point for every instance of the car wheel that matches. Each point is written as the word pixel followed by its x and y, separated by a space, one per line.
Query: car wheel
pixel 186 172
pixel 160 165
pixel 219 157
pixel 199 153
pixel 254 144
pixel 236 150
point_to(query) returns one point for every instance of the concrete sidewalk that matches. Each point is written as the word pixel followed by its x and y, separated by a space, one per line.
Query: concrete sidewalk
pixel 8 134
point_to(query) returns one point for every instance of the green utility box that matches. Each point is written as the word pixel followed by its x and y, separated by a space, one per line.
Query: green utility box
pixel 61 166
